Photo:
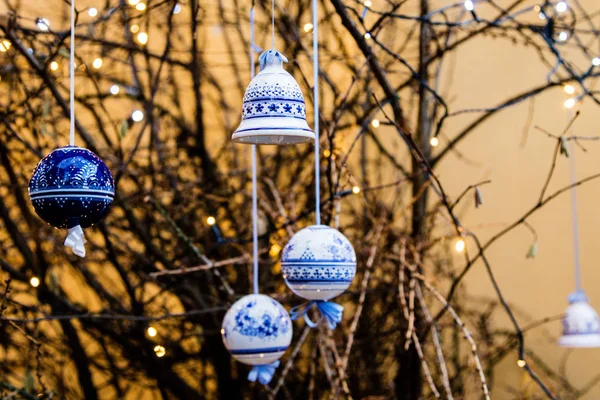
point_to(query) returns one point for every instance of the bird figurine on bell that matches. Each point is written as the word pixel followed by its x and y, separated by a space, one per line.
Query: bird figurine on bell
pixel 257 331
pixel 273 109
pixel 581 327
pixel 318 264
pixel 71 188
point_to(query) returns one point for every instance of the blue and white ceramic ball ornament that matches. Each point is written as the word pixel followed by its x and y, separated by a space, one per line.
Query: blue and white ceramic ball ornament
pixel 72 188
pixel 257 331
pixel 318 263
pixel 273 109
pixel 581 327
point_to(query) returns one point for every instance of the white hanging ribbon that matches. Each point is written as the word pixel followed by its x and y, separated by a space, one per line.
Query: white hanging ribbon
pixel 72 77
pixel 315 22
pixel 254 173
pixel 76 241
pixel 574 217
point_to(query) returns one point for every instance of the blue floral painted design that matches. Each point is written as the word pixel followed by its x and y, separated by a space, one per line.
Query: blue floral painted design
pixel 266 326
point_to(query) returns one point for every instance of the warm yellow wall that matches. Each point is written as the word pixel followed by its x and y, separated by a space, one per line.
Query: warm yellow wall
pixel 487 72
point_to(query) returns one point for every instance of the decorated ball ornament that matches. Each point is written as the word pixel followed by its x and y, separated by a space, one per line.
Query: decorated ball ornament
pixel 273 109
pixel 71 188
pixel 318 264
pixel 581 327
pixel 257 331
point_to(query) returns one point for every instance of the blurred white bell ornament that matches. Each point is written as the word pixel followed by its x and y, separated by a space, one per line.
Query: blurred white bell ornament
pixel 581 327
pixel 318 264
pixel 257 331
pixel 273 110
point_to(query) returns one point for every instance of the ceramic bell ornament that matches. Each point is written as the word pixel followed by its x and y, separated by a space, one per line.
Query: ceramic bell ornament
pixel 273 109
pixel 318 264
pixel 72 188
pixel 581 327
pixel 257 331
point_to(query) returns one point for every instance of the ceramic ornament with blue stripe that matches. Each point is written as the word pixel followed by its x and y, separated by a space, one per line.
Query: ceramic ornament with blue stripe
pixel 72 188
pixel 318 264
pixel 581 327
pixel 257 331
pixel 273 109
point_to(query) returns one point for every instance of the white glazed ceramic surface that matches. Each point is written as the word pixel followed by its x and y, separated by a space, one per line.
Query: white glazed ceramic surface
pixel 273 110
pixel 581 327
pixel 318 263
pixel 257 330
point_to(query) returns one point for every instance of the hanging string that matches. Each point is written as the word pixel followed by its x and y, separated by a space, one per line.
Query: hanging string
pixel 262 373
pixel 273 23
pixel 254 172
pixel 574 218
pixel 315 21
pixel 72 77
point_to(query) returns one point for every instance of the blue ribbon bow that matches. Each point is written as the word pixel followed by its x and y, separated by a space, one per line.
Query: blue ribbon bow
pixel 264 373
pixel 271 57
pixel 330 311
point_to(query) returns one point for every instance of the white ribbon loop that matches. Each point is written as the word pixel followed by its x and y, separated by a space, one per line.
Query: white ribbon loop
pixel 76 241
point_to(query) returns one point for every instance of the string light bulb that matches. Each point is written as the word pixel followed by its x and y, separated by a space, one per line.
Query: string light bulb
pixel 308 27
pixel 92 12
pixel 5 45
pixel 137 116
pixel 211 221
pixel 469 5
pixel 326 153
pixel 97 63
pixel 152 331
pixel 375 123
pixel 35 281
pixel 177 9
pixel 569 103
pixel 160 351
pixel 114 89
pixel 53 65
pixel 541 15
pixel 563 36
pixel 142 37
pixel 134 28
pixel 561 7
pixel 459 246
pixel 569 89
pixel 134 2
pixel 43 24
pixel 434 141
pixel 596 61
pixel 140 6
pixel 368 3
pixel 355 190
pixel 274 250
pixel 367 36
pixel 521 363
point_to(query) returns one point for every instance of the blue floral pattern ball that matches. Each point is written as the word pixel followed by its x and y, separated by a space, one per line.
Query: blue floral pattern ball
pixel 257 330
pixel 71 186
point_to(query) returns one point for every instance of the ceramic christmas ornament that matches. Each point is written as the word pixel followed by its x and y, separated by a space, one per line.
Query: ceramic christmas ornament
pixel 257 331
pixel 273 109
pixel 318 264
pixel 581 327
pixel 72 188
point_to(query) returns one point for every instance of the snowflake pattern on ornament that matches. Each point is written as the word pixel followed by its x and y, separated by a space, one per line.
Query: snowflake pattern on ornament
pixel 71 186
